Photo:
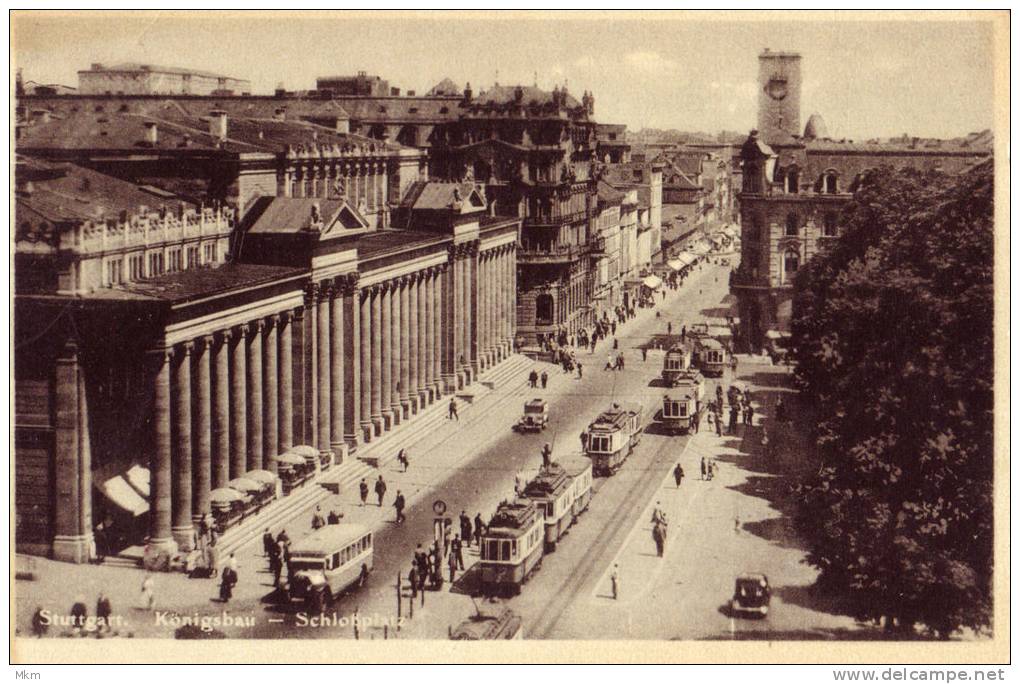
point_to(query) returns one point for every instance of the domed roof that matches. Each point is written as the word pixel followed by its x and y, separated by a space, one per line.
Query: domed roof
pixel 816 128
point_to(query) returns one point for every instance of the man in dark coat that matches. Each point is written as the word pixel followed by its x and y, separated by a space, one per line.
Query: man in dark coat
pixel 380 489
pixel 678 475
pixel 363 490
pixel 465 527
pixel 412 577
pixel 103 612
pixel 268 543
pixel 478 529
pixel 456 551
pixel 398 504
pixel 227 581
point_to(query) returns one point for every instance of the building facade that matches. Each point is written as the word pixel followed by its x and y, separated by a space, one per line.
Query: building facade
pixel 150 79
pixel 794 186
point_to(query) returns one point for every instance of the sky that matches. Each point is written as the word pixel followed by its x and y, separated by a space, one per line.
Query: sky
pixel 692 72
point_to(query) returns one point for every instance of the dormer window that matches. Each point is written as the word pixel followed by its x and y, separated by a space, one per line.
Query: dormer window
pixel 792 182
pixel 830 183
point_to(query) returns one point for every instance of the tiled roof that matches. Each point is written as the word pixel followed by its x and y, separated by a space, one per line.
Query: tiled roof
pixel 66 192
pixel 436 194
pixel 380 241
pixel 202 282
pixel 444 87
pixel 294 214
pixel 155 68
pixel 609 195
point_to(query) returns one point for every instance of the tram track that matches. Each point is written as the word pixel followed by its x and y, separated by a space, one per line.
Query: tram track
pixel 632 504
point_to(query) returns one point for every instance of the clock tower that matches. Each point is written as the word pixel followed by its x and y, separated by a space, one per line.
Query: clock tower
pixel 778 96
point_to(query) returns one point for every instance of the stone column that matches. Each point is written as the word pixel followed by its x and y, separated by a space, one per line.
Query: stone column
pixel 160 536
pixel 352 346
pixel 457 316
pixel 221 413
pixel 203 429
pixel 181 528
pixel 397 343
pixel 498 302
pixel 72 462
pixel 437 329
pixel 414 342
pixel 423 340
pixel 513 292
pixel 490 356
pixel 471 298
pixel 336 367
pixel 365 339
pixel 310 365
pixel 376 417
pixel 271 408
pixel 287 397
pixel 405 348
pixel 255 443
pixel 429 331
pixel 386 349
pixel 238 404
pixel 322 372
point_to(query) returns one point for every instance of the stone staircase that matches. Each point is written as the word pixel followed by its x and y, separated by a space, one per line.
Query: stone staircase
pixel 370 457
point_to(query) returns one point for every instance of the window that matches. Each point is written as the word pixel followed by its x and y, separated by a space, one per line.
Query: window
pixel 115 271
pixel 174 262
pixel 791 262
pixel 193 261
pixel 791 225
pixel 155 264
pixel 210 253
pixel 829 183
pixel 792 181
pixel 544 309
pixel 830 227
pixel 137 266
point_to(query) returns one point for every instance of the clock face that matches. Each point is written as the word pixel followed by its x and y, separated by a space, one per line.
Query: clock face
pixel 776 89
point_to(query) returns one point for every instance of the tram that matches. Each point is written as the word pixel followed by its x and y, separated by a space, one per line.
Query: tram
pixel 551 491
pixel 675 362
pixel 680 408
pixel 512 546
pixel 711 356
pixel 579 469
pixel 612 437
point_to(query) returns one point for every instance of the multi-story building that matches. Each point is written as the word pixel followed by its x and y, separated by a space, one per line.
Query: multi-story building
pixel 608 250
pixel 151 79
pixel 646 179
pixel 534 151
pixel 794 185
pixel 360 85
pixel 613 147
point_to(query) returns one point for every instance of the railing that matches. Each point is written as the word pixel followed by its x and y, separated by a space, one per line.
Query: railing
pixel 555 219
pixel 151 229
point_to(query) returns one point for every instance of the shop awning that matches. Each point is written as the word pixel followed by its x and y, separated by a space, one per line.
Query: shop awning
pixel 652 282
pixel 676 264
pixel 686 258
pixel 120 492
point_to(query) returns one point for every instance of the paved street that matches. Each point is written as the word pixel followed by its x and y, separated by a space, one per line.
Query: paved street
pixel 718 528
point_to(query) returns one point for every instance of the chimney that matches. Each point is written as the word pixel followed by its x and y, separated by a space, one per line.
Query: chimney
pixel 218 124
pixel 468 92
pixel 280 114
pixel 151 133
pixel 519 94
pixel 41 115
pixel 97 66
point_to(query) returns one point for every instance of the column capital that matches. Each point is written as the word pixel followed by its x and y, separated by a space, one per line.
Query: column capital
pixel 207 341
pixel 348 283
pixel 311 292
pixel 327 290
pixel 184 348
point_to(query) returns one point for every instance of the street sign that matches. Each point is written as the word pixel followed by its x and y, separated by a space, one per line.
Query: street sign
pixel 439 507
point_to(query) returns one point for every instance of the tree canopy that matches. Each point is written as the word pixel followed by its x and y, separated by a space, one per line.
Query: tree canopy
pixel 892 335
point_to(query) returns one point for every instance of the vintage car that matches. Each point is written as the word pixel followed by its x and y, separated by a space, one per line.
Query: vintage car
pixel 751 595
pixel 493 622
pixel 536 416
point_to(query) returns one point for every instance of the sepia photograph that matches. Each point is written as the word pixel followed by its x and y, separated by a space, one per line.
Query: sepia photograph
pixel 611 336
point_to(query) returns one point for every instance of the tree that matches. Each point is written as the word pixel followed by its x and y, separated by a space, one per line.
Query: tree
pixel 892 336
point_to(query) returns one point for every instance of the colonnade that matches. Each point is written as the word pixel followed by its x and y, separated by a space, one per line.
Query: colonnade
pixel 356 358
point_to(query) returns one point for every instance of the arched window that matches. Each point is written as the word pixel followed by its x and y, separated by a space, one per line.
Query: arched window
pixel 792 227
pixel 544 309
pixel 829 225
pixel 791 262
pixel 829 183
pixel 792 181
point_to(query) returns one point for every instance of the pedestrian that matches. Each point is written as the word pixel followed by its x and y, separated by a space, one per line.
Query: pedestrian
pixel 398 504
pixel 403 459
pixel 644 353
pixel 584 440
pixel 533 378
pixel 733 364
pixel 616 343
pixel 412 577
pixel 750 414
pixel 103 612
pixel 580 371
pixel 317 520
pixel 380 489
pixel 465 527
pixel 678 474
pixel 453 411
pixel 333 518
pixel 227 582
pixel 148 592
pixel 615 579
pixel 718 424
pixel 363 488
pixel 268 543
pixel 276 567
pixel 452 563
pixel 457 549
pixel 658 516
pixel 40 625
pixel 478 529
pixel 610 363
pixel 421 559
pixel 79 614
pixel 545 379
pixel 669 328
pixel 546 455
pixel 734 410
pixel 612 327
pixel 704 466
pixel 659 536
